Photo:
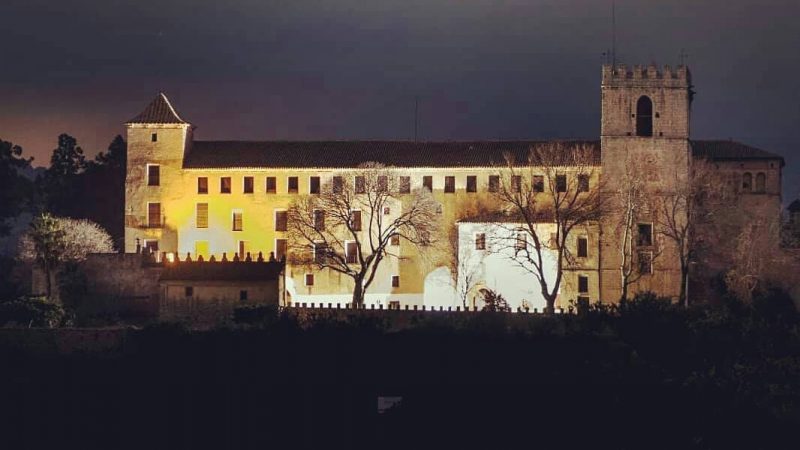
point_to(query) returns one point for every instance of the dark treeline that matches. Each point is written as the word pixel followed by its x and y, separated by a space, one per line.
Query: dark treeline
pixel 646 374
pixel 71 186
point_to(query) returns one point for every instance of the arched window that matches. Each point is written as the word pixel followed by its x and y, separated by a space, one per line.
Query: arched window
pixel 644 116
pixel 747 182
pixel 761 183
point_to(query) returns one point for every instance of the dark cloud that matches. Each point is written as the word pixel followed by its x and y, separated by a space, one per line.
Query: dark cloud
pixel 313 69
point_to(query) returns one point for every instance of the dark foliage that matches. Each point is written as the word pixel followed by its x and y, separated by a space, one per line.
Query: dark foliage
pixel 494 302
pixel 80 189
pixel 261 315
pixel 643 374
pixel 31 312
pixel 15 189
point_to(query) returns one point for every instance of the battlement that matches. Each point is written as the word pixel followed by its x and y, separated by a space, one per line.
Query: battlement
pixel 622 75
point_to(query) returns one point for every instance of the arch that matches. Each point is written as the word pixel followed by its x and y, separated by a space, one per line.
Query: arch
pixel 761 182
pixel 644 116
pixel 747 182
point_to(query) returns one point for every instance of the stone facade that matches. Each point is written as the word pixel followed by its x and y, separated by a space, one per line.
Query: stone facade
pixel 645 119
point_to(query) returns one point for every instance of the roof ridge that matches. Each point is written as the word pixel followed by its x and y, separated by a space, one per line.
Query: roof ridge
pixel 159 110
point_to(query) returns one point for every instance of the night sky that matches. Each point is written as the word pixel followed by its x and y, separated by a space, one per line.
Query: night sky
pixel 350 69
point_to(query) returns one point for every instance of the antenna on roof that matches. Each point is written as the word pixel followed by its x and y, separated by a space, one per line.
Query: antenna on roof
pixel 613 33
pixel 416 111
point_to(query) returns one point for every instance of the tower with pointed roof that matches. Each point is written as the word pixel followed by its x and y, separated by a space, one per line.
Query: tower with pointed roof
pixel 158 139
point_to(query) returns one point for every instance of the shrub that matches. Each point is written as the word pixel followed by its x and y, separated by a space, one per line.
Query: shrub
pixel 255 314
pixel 494 302
pixel 32 312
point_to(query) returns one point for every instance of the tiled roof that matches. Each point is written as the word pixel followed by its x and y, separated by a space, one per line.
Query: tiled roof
pixel 730 150
pixel 342 154
pixel 160 110
pixel 222 271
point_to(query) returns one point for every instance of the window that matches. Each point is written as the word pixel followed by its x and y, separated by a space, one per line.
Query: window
pixel 150 246
pixel 243 250
pixel 153 175
pixel 472 183
pixel 319 220
pixel 320 252
pixel 494 183
pixel 313 185
pixel 154 137
pixel 387 210
pixel 351 252
pixel 188 291
pixel 248 185
pixel 427 183
pixel 154 215
pixel 405 185
pixel 516 183
pixel 309 279
pixel 281 220
pixel 521 242
pixel 583 182
pixel 645 263
pixel 355 220
pixel 538 183
pixel 644 116
pixel 243 295
pixel 202 185
pixel 583 247
pixel 761 181
pixel 383 183
pixel 338 185
pixel 201 216
pixel 360 185
pixel 394 304
pixel 395 281
pixel 280 249
pixel 480 241
pixel 237 220
pixel 449 184
pixel 225 185
pixel 645 235
pixel 747 182
pixel 561 183
pixel 272 185
pixel 583 284
pixel 394 239
pixel 292 184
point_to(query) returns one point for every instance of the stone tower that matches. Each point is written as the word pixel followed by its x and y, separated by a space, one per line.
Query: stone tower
pixel 157 140
pixel 644 127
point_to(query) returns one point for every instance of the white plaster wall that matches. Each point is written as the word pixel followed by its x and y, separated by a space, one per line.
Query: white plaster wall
pixel 497 268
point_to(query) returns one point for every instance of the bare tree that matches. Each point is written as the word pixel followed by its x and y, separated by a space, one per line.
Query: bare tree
pixel 350 226
pixel 557 184
pixel 467 275
pixel 693 214
pixel 756 257
pixel 631 202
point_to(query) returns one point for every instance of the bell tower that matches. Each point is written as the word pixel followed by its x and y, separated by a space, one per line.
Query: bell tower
pixel 644 130
pixel 645 119
pixel 157 139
